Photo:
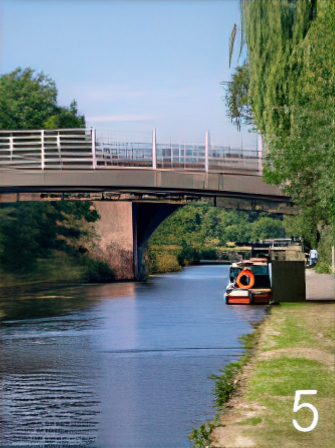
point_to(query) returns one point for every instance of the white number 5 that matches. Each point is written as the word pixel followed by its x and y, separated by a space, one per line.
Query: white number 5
pixel 297 407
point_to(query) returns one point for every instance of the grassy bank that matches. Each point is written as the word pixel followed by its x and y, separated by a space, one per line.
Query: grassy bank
pixel 171 258
pixel 60 268
pixel 225 388
pixel 295 351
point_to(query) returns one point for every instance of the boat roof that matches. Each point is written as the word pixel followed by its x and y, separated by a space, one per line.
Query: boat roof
pixel 251 262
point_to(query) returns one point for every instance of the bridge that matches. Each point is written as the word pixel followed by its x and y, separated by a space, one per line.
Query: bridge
pixel 152 179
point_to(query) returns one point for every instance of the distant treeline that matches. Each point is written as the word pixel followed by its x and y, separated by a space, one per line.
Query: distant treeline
pixel 202 231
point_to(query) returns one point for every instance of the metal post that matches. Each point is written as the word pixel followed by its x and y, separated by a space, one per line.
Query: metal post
pixel 206 150
pixel 154 154
pixel 11 147
pixel 59 149
pixel 42 151
pixel 94 156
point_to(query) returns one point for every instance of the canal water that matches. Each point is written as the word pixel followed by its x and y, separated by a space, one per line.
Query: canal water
pixel 120 365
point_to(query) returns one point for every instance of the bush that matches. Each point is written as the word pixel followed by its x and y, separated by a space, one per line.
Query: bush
pixel 209 254
pixel 188 255
pixel 225 386
pixel 97 271
pixel 327 240
pixel 201 436
pixel 163 262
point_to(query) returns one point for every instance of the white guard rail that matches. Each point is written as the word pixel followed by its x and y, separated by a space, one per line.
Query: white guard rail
pixel 81 149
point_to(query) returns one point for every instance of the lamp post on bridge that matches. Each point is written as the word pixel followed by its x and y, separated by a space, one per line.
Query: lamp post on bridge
pixel 94 156
pixel 154 155
pixel 207 144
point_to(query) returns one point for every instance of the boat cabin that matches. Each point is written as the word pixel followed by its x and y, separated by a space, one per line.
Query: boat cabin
pixel 249 282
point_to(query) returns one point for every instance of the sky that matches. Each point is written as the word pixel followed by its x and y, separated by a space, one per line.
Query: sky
pixel 131 65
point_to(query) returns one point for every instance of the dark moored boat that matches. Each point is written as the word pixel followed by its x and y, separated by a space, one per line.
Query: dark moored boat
pixel 249 283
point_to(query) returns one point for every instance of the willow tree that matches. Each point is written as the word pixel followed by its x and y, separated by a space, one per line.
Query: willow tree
pixel 291 91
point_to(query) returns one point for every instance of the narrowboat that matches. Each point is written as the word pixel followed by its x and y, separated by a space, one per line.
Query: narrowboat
pixel 249 283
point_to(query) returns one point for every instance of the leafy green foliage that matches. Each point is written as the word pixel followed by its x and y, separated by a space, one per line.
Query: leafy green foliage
pixel 66 118
pixel 190 255
pixel 33 231
pixel 225 383
pixel 237 97
pixel 163 259
pixel 29 231
pixel 224 388
pixel 204 227
pixel 200 232
pixel 201 436
pixel 327 240
pixel 97 271
pixel 292 72
pixel 28 100
pixel 289 87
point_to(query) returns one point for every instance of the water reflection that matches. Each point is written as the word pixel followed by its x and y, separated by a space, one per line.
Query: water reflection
pixel 47 409
pixel 29 304
pixel 117 365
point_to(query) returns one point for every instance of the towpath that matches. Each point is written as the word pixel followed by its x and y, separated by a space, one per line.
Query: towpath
pixel 319 286
pixel 295 351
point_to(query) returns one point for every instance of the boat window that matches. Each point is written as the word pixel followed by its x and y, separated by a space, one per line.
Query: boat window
pixel 260 270
pixel 234 273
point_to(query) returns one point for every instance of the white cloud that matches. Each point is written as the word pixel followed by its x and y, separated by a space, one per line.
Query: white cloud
pixel 120 118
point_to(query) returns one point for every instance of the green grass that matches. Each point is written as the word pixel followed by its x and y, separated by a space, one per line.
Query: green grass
pixel 253 421
pixel 60 268
pixel 283 376
pixel 295 351
pixel 275 379
pixel 290 331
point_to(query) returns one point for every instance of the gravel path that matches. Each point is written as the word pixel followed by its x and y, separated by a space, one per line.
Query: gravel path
pixel 319 286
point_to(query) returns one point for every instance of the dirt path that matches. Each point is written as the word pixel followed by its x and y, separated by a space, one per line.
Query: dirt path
pixel 319 286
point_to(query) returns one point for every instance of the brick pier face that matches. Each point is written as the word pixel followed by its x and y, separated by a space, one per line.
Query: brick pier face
pixel 115 241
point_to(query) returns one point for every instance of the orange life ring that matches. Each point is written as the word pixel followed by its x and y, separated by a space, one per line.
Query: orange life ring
pixel 250 276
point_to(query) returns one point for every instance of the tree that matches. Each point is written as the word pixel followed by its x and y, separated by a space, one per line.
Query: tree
pixel 291 76
pixel 29 231
pixel 28 100
pixel 237 97
pixel 34 230
pixel 267 228
pixel 66 117
pixel 291 48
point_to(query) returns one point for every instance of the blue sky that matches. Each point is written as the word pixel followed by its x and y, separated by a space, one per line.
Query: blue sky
pixel 131 65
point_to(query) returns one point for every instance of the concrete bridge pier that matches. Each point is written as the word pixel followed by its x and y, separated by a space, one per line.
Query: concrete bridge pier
pixel 123 233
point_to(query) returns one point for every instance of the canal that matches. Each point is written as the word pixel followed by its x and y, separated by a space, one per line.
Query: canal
pixel 117 365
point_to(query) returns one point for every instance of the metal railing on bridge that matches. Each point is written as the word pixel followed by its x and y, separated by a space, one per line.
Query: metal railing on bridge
pixel 83 149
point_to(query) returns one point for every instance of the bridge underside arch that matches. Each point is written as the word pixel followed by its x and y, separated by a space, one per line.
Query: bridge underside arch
pixel 122 196
pixel 146 218
pixel 123 232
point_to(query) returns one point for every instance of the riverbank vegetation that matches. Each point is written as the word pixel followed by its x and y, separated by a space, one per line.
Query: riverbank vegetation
pixel 285 90
pixel 44 242
pixel 47 242
pixel 254 396
pixel 225 386
pixel 295 338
